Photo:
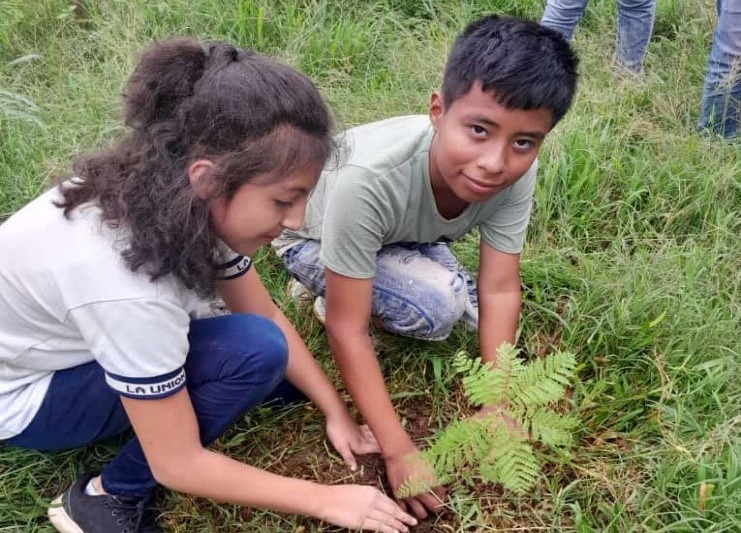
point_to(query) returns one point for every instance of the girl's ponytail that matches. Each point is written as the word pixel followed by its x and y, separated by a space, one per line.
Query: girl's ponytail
pixel 165 76
pixel 221 54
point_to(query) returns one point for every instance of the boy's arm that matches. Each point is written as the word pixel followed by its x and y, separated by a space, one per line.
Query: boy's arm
pixel 348 303
pixel 499 299
pixel 247 294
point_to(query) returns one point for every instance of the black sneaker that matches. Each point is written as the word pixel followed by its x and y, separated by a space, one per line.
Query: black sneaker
pixel 76 512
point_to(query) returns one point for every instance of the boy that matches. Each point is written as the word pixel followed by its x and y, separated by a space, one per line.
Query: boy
pixel 373 244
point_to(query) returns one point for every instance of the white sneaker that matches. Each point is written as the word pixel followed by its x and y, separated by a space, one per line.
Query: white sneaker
pixel 299 292
pixel 320 313
pixel 320 310
pixel 470 316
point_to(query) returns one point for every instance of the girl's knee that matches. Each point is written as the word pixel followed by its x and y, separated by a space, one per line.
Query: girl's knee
pixel 237 346
pixel 265 345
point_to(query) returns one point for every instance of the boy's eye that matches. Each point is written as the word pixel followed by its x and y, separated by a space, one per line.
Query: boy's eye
pixel 477 130
pixel 283 205
pixel 523 144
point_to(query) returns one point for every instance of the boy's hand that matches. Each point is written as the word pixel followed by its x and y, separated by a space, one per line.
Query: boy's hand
pixel 409 469
pixel 498 411
pixel 349 439
pixel 360 507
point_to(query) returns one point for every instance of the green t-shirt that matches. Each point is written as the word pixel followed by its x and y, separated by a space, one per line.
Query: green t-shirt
pixel 382 195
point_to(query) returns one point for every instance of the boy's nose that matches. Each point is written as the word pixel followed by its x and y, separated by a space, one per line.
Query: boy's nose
pixel 492 162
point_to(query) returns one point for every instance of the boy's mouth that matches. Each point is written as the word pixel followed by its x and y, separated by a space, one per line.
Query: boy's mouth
pixel 479 185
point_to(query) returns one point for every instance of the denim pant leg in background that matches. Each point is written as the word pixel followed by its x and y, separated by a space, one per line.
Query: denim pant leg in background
pixel 635 22
pixel 720 109
pixel 234 362
pixel 634 27
pixel 419 290
pixel 563 15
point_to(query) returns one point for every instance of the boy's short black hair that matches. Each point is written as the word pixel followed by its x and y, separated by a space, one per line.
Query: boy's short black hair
pixel 525 65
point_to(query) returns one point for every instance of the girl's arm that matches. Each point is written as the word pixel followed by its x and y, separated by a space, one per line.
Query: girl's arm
pixel 168 432
pixel 247 294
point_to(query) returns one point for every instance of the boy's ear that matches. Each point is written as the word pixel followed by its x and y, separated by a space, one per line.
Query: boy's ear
pixel 200 174
pixel 436 108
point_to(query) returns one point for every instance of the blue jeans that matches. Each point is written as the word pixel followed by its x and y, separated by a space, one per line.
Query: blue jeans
pixel 720 108
pixel 419 290
pixel 234 363
pixel 634 26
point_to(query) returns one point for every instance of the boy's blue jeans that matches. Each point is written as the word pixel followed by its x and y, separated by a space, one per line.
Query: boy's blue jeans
pixel 634 26
pixel 419 290
pixel 720 110
pixel 234 363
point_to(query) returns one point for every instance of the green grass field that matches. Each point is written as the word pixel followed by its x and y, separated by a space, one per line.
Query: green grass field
pixel 632 260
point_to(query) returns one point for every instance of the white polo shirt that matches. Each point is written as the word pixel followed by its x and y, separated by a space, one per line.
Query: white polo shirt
pixel 67 298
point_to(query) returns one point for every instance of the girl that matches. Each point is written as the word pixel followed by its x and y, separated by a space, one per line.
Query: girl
pixel 104 280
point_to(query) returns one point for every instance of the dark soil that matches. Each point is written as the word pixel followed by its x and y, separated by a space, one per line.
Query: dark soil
pixel 315 464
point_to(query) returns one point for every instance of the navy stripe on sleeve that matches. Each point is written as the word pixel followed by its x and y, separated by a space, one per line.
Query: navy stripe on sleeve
pixel 148 388
pixel 234 268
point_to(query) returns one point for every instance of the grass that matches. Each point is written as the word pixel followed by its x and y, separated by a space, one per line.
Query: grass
pixel 632 260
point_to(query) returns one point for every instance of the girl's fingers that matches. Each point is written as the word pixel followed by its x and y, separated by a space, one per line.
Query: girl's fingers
pixel 347 455
pixel 389 506
pixel 367 442
pixel 370 524
pixel 371 443
pixel 368 434
pixel 381 521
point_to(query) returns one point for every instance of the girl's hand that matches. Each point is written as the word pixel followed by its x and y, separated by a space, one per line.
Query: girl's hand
pixel 349 439
pixel 360 507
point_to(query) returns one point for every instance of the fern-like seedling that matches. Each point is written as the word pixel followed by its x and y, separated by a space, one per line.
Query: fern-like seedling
pixel 495 444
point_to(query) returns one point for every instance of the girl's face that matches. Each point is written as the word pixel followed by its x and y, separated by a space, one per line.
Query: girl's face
pixel 259 212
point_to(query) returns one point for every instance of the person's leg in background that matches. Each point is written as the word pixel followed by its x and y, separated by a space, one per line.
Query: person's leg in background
pixel 635 21
pixel 563 15
pixel 720 108
pixel 634 26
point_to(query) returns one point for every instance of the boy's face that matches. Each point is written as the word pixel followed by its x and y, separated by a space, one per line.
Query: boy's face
pixel 481 147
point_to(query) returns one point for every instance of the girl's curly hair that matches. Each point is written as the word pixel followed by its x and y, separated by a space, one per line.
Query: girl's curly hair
pixel 252 116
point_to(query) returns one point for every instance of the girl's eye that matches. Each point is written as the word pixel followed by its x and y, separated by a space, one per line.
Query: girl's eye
pixel 283 205
pixel 477 130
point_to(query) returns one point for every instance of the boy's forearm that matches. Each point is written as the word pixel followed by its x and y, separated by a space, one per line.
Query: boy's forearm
pixel 499 314
pixel 362 376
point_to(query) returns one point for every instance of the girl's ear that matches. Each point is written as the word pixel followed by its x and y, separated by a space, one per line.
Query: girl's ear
pixel 436 108
pixel 200 174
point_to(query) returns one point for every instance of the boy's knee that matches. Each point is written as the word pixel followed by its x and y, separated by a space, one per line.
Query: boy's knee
pixel 430 316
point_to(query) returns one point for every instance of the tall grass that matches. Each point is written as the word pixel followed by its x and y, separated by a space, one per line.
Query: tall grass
pixel 632 259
